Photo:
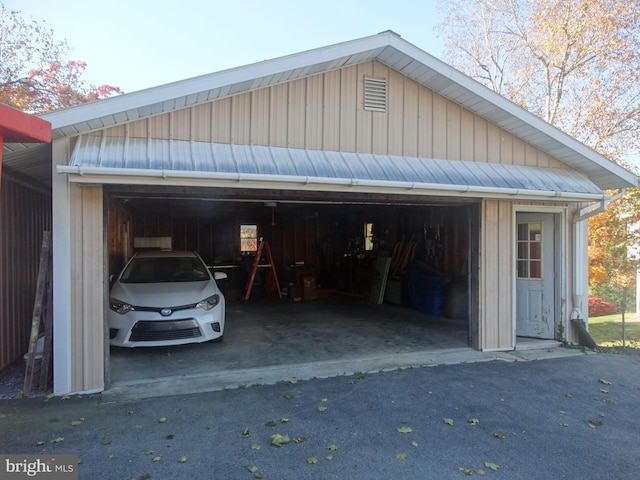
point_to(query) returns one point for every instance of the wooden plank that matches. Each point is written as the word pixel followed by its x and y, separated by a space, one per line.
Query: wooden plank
pixel 379 280
pixel 40 298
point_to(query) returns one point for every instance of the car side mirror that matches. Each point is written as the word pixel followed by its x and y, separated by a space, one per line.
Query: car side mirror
pixel 219 275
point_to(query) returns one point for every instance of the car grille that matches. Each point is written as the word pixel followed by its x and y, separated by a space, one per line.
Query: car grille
pixel 148 331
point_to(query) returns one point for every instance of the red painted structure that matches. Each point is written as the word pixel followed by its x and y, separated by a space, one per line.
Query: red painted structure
pixel 19 127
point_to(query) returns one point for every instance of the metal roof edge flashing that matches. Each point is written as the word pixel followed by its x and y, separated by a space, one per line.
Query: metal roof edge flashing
pixel 294 182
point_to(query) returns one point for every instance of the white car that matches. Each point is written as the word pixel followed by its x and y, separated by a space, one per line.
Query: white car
pixel 165 298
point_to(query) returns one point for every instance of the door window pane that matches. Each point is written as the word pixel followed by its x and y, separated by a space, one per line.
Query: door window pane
pixel 529 250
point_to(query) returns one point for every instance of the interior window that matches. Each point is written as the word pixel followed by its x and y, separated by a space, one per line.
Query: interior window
pixel 248 238
pixel 368 236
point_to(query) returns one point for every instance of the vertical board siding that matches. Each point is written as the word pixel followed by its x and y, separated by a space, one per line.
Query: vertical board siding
pixel 24 215
pixel 325 112
pixel 331 116
pixel 496 276
pixel 88 301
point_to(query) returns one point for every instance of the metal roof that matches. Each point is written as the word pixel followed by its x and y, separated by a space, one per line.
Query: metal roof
pixel 387 48
pixel 155 161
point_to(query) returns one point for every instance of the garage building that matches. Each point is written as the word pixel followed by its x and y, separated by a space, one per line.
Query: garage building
pixel 340 157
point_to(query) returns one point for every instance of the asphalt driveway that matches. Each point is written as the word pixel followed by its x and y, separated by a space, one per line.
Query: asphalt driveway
pixel 576 417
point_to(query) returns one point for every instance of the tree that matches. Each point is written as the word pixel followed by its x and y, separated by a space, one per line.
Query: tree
pixel 34 74
pixel 574 63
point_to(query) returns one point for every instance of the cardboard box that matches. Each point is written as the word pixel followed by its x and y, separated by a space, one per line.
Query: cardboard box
pixel 309 289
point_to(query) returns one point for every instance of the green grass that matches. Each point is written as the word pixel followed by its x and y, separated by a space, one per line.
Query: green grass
pixel 607 331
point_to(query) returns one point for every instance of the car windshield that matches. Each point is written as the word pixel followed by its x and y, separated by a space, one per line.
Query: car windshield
pixel 165 269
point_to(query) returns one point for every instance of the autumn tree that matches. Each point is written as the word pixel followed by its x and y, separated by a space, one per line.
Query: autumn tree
pixel 574 63
pixel 35 75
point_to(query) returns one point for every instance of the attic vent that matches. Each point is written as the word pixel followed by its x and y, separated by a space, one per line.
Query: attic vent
pixel 375 94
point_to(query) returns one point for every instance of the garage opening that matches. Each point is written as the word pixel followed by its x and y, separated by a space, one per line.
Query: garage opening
pixel 359 275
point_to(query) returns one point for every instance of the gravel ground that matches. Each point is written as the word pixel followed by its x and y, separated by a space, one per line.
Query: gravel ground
pixel 12 382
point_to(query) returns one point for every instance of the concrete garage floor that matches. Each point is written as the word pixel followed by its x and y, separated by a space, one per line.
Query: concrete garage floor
pixel 268 340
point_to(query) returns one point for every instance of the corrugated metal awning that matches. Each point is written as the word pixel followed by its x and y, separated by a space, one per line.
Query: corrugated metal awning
pixel 177 162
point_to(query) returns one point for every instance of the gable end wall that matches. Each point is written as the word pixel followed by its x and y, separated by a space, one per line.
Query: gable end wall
pixel 326 112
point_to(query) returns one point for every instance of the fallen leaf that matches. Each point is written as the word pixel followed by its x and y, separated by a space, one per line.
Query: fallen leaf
pixel 329 457
pixel 322 408
pixel 466 471
pixel 49 397
pixel 602 390
pixel 499 435
pixel 175 410
pixel 144 476
pixel 405 429
pixel 312 460
pixel 171 436
pixel 75 423
pixel 414 443
pixel 401 456
pixel 448 421
pixel 162 419
pixel 57 440
pixel 278 440
pixel 259 475
pixel 65 397
pixel 473 421
pixel 130 412
pixel 300 439
pixel 481 472
pixel 255 446
pixel 149 452
pixel 595 423
pixel 288 396
pixel 568 395
pixel 284 420
pixel 106 442
pixel 324 400
pixel 182 459
pixel 39 443
pixel 245 433
pixel 332 447
pixel 604 382
pixel 270 423
pixel 564 424
pixel 492 466
pixel 156 458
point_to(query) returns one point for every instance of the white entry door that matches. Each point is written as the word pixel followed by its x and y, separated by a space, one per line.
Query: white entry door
pixel 535 283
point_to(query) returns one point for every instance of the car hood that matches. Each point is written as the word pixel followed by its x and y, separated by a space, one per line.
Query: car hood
pixel 161 295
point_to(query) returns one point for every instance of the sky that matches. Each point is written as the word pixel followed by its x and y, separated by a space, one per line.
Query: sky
pixel 138 44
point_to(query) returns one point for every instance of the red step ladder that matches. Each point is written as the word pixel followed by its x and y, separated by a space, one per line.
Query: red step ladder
pixel 263 246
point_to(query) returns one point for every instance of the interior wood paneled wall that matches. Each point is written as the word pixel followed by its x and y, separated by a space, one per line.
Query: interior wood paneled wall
pixel 24 214
pixel 325 112
pixel 319 236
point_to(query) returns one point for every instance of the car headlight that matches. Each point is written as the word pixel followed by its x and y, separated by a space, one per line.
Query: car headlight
pixel 119 307
pixel 209 303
